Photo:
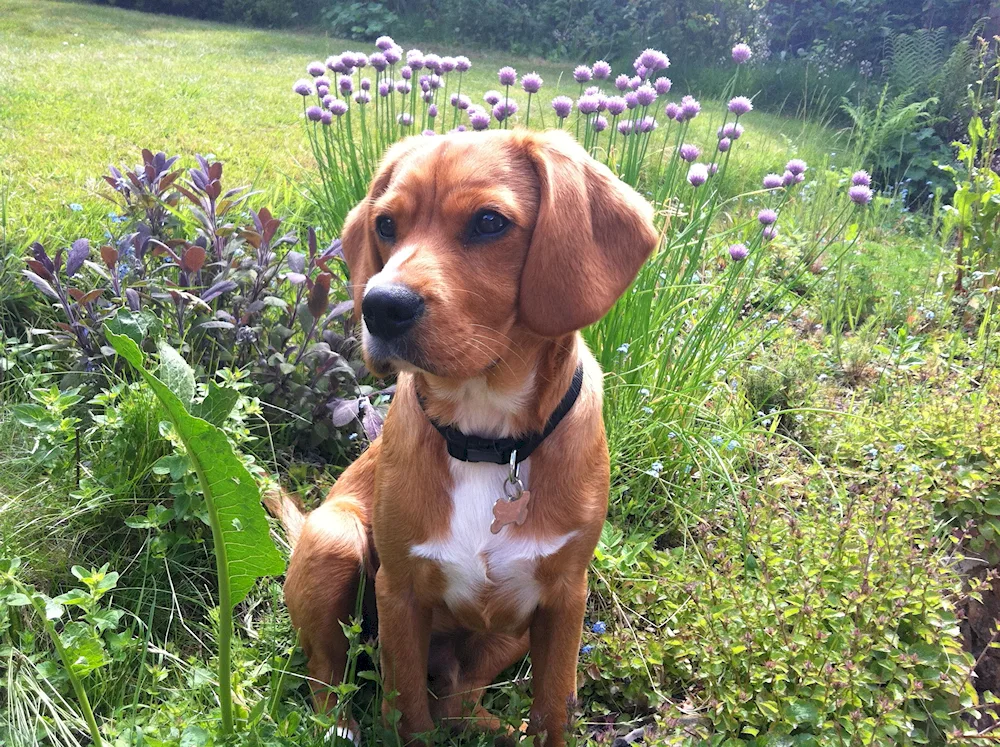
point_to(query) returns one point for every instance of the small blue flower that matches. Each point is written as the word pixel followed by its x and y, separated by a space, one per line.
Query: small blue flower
pixel 586 649
pixel 898 448
pixel 352 436
pixel 656 466
pixel 599 627
pixel 716 440
pixel 915 468
pixel 648 410
pixel 623 348
pixel 76 207
pixel 731 446
pixel 671 435
pixel 644 392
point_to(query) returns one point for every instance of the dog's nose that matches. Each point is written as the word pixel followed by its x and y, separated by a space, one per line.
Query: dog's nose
pixel 390 310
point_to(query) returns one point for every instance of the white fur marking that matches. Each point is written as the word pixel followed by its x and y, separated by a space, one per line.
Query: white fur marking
pixel 387 275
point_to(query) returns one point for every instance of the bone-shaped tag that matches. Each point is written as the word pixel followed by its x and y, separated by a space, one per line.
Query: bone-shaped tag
pixel 510 512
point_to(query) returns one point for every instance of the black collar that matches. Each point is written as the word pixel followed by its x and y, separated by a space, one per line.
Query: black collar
pixel 468 448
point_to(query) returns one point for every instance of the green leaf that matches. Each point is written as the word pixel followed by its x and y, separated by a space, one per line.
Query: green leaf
pixel 215 408
pixel 803 712
pixel 194 736
pixel 30 416
pixel 137 325
pixel 230 490
pixel 175 373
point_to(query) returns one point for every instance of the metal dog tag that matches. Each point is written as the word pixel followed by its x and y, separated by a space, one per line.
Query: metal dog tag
pixel 513 507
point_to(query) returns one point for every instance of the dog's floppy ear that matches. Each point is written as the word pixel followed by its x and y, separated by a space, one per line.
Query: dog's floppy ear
pixel 356 238
pixel 591 236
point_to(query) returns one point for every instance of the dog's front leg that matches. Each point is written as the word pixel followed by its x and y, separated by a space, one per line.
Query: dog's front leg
pixel 555 645
pixel 404 631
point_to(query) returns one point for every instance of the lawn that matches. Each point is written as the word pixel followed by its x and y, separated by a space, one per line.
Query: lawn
pixel 805 502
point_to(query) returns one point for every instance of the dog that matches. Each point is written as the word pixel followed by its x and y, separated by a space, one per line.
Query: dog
pixel 474 262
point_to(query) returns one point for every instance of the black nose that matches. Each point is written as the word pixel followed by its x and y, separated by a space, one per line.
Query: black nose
pixel 390 310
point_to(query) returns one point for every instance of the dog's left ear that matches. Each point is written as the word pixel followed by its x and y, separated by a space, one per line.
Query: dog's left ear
pixel 592 234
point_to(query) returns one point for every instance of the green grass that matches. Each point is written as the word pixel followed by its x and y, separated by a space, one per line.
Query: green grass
pixel 85 86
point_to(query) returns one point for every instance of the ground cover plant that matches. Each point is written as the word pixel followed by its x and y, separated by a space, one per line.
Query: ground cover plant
pixel 800 394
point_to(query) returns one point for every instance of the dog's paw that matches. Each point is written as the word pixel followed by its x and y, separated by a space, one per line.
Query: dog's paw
pixel 341 736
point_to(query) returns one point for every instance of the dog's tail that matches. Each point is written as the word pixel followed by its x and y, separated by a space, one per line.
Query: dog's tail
pixel 286 508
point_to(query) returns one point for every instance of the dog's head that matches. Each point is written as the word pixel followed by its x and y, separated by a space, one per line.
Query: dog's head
pixel 465 240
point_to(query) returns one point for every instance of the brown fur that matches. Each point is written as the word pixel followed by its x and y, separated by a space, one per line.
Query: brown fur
pixel 504 313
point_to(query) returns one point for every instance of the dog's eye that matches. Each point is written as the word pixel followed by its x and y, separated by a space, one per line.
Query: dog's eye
pixel 489 223
pixel 385 227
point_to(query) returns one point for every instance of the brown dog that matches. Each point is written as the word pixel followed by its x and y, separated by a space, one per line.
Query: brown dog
pixel 474 261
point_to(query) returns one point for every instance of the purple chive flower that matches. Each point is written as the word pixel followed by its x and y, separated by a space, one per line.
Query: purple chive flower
pixel 588 104
pixel 592 90
pixel 740 105
pixel 601 70
pixel 492 97
pixel 787 179
pixel 479 119
pixel 393 55
pixel 663 86
pixel 599 123
pixel 861 178
pixel 415 58
pixel 562 105
pixel 460 128
pixel 732 130
pixel 337 64
pixel 797 166
pixel 432 111
pixel 860 194
pixel 316 68
pixel 725 144
pixel 328 100
pixel 448 64
pixel 384 43
pixel 303 87
pixel 406 71
pixel 672 110
pixel 322 89
pixel 738 252
pixel 713 169
pixel 432 62
pixel 646 124
pixel 631 100
pixel 326 117
pixel 582 74
pixel 332 62
pixel 641 71
pixel 462 63
pixel 697 174
pixel 434 81
pixel 741 53
pixel 531 83
pixel 690 107
pixel 338 108
pixel 378 61
pixel 428 133
pixel 425 83
pixel 366 84
pixel 403 86
pixel 645 94
pixel 360 60
pixel 767 217
pixel 405 119
pixel 772 181
pixel 625 127
pixel 770 232
pixel 507 76
pixel 384 87
pixel 652 60
pixel 504 109
pixel 689 152
pixel 362 97
pixel 634 82
pixel 427 96
pixel 345 84
pixel 621 82
pixel 615 105
pixel 314 113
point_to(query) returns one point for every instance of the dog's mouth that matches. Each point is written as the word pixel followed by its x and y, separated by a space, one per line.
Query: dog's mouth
pixel 386 357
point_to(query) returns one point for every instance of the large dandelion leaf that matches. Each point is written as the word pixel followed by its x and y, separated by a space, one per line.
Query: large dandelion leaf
pixel 242 539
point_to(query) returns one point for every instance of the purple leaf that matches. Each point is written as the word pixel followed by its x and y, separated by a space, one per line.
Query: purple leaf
pixel 132 296
pixel 42 256
pixel 344 307
pixel 371 420
pixel 78 254
pixel 223 286
pixel 41 284
pixel 295 278
pixel 216 325
pixel 335 249
pixel 296 262
pixel 343 411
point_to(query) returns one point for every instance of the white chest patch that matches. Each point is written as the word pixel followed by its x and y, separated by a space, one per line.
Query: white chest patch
pixel 477 562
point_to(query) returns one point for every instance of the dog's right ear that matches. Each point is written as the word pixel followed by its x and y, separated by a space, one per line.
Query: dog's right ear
pixel 357 237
